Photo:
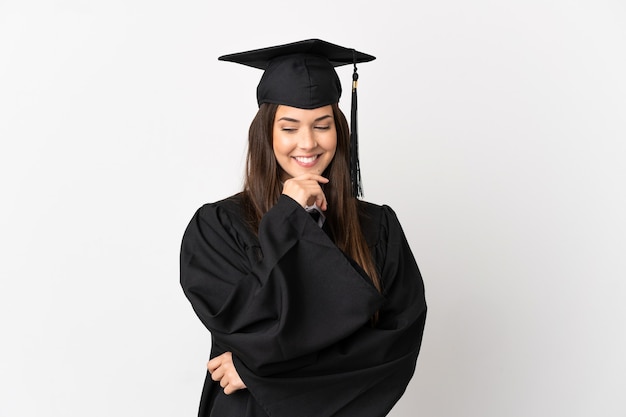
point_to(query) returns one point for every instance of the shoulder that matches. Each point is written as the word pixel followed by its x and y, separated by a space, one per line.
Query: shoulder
pixel 376 220
pixel 375 212
pixel 223 215
pixel 232 204
pixel 373 209
pixel 227 209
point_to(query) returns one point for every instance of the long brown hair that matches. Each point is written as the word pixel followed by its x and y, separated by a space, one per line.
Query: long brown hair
pixel 262 186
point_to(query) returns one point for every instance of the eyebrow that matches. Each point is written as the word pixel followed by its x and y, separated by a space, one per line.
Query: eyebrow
pixel 289 119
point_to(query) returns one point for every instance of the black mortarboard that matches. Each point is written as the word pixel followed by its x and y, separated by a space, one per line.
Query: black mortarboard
pixel 302 74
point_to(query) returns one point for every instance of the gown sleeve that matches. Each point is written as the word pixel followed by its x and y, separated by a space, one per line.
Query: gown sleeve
pixel 277 312
pixel 366 373
pixel 298 319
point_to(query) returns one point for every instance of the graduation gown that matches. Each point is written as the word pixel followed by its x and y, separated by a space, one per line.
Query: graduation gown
pixel 296 312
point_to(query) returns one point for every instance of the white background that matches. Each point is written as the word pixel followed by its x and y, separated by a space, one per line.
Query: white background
pixel 495 129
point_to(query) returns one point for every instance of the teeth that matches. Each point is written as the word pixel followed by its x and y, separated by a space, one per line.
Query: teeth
pixel 306 160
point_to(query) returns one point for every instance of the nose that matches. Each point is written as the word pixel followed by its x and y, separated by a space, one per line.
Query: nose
pixel 306 139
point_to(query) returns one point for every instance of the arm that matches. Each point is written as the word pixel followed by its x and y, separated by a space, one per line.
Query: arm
pixel 370 367
pixel 277 313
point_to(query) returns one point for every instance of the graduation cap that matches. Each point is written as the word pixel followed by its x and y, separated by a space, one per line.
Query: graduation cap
pixel 302 74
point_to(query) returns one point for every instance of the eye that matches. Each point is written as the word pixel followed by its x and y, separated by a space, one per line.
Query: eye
pixel 322 127
pixel 288 129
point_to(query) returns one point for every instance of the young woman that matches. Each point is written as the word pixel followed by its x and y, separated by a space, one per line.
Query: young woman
pixel 312 296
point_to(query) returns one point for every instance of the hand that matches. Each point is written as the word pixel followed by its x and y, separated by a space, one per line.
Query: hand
pixel 223 371
pixel 306 190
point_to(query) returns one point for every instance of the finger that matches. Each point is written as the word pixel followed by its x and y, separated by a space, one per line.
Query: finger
pixel 322 204
pixel 313 177
pixel 317 197
pixel 218 374
pixel 234 385
pixel 305 192
pixel 214 363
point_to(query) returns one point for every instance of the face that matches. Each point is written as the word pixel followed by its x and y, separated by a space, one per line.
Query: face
pixel 304 141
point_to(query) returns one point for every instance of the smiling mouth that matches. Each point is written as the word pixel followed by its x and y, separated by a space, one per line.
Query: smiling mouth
pixel 306 159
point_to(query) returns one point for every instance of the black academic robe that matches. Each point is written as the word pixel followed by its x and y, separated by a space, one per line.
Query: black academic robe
pixel 296 312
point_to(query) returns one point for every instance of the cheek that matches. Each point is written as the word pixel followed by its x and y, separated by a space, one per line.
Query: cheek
pixel 277 144
pixel 281 143
pixel 331 145
pixel 282 148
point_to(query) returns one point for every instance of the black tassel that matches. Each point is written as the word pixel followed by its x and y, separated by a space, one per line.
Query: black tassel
pixel 355 170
